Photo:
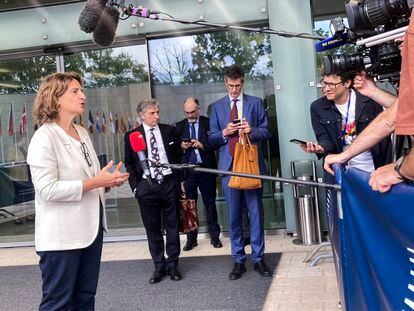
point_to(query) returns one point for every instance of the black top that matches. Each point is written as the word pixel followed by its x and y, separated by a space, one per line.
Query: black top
pixel 172 148
pixel 327 124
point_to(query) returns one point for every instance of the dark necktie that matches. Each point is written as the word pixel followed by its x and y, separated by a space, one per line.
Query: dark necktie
pixel 159 177
pixel 193 155
pixel 233 139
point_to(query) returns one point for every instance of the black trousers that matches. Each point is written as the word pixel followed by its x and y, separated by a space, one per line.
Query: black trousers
pixel 70 277
pixel 159 206
pixel 207 185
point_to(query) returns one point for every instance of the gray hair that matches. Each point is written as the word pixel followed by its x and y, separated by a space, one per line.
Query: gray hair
pixel 145 104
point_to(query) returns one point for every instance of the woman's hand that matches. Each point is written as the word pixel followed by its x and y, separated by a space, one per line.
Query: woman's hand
pixel 114 179
pixel 105 178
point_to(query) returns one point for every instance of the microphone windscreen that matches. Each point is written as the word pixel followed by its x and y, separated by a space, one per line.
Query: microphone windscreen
pixel 104 33
pixel 137 142
pixel 89 17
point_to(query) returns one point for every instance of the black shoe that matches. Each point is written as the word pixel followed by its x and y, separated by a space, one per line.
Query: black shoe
pixel 157 276
pixel 246 241
pixel 174 274
pixel 262 268
pixel 216 243
pixel 237 272
pixel 190 245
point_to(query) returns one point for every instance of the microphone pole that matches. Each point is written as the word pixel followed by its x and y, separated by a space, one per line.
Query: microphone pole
pixel 263 177
pixel 145 13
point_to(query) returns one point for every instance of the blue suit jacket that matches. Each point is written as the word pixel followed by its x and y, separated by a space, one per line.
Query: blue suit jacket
pixel 253 111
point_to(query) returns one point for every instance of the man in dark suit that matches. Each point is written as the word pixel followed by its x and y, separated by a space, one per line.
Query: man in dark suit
pixel 233 113
pixel 158 200
pixel 196 149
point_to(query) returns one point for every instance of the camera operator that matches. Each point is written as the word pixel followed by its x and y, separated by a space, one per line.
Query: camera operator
pixel 339 117
pixel 400 117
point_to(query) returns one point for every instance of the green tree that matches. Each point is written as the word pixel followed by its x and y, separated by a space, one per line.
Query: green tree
pixel 214 51
pixel 101 68
pixel 24 75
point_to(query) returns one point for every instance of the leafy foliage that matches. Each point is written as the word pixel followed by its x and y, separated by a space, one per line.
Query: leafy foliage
pixel 99 68
pixel 211 53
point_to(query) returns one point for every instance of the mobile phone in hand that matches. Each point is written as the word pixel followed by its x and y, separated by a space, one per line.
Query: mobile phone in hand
pixel 236 121
pixel 186 139
pixel 298 141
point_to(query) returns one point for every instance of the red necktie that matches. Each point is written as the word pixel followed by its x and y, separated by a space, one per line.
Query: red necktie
pixel 235 137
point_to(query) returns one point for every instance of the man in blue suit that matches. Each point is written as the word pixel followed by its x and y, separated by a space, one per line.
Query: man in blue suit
pixel 229 115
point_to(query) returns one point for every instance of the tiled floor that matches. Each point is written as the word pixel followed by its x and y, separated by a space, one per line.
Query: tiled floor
pixel 295 287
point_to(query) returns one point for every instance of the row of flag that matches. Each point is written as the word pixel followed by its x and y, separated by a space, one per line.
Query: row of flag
pixel 113 125
pixel 99 124
pixel 10 125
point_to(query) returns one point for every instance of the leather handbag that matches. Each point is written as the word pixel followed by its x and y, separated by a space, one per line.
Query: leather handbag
pixel 245 160
pixel 188 215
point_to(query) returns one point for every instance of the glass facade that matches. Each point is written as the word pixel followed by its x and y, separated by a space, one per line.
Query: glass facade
pixel 18 84
pixel 168 68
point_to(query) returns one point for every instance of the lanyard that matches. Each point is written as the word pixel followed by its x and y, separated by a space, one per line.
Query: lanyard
pixel 346 121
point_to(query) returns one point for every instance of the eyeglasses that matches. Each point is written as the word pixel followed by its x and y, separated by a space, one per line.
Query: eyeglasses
pixel 86 155
pixel 330 85
pixel 234 86
pixel 190 112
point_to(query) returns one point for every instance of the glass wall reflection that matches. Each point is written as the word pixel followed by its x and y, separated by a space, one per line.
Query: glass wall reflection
pixel 115 81
pixel 194 66
pixel 19 80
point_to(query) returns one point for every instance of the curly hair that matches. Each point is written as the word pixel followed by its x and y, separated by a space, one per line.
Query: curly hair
pixel 46 105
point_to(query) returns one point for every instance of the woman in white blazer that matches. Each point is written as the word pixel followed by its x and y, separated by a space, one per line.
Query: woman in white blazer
pixel 69 196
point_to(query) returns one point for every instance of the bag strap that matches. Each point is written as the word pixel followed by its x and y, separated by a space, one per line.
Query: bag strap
pixel 244 139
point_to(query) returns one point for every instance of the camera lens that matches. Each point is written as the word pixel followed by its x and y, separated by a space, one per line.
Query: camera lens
pixel 343 63
pixel 365 16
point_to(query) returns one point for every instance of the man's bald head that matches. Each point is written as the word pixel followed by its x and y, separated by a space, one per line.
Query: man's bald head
pixel 192 108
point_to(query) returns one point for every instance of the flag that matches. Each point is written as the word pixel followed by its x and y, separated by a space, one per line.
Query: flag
pixel 10 126
pixel 23 121
pixel 103 123
pixel 90 122
pixel 116 123
pixel 111 126
pixel 122 125
pixel 129 123
pixel 98 124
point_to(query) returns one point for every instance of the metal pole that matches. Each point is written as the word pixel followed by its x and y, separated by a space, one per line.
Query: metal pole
pixel 264 177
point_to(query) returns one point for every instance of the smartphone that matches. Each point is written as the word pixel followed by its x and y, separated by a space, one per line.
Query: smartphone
pixel 236 121
pixel 298 141
pixel 186 139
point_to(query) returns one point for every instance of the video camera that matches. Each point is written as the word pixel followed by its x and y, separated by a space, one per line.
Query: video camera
pixel 373 27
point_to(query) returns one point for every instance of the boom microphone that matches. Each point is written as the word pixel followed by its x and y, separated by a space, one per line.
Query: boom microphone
pixel 138 145
pixel 89 17
pixel 104 33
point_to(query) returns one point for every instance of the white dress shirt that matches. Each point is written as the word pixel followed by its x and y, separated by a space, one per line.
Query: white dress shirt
pixel 161 149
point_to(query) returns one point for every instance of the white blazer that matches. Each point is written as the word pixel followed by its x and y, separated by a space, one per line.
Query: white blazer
pixel 66 217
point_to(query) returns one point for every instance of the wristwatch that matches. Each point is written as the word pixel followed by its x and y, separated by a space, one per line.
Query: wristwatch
pixel 397 168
